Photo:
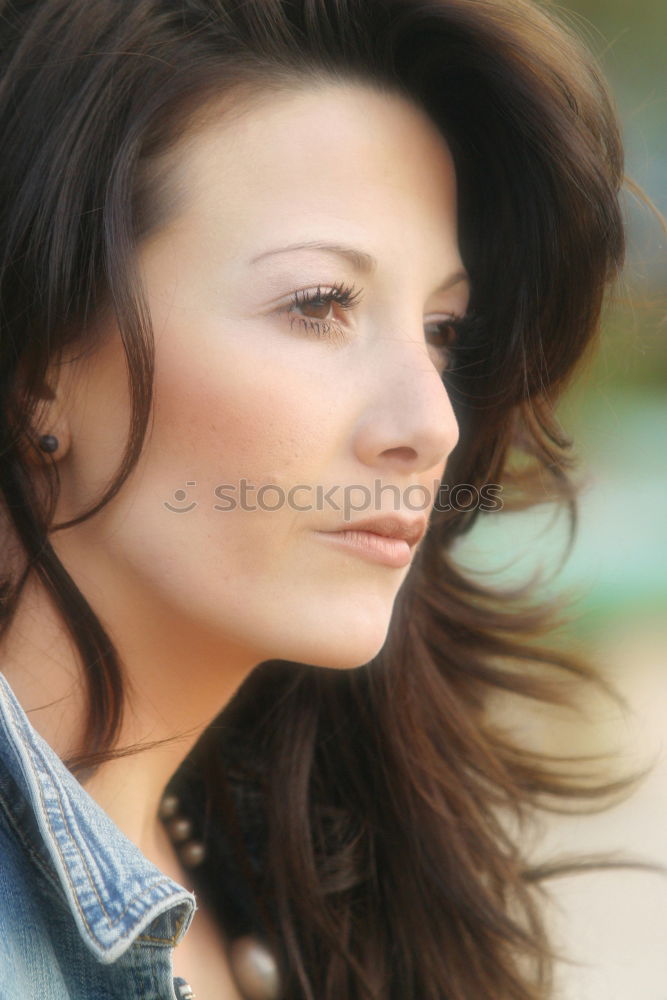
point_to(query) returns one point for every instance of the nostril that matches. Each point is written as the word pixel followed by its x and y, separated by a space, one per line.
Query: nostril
pixel 402 454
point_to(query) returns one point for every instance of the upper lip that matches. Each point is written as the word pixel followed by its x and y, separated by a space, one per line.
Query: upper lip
pixel 391 527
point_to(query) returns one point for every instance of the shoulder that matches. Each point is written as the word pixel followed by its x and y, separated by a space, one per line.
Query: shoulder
pixel 28 909
pixel 13 899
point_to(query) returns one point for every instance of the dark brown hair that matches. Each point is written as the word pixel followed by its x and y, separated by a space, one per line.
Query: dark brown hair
pixel 369 805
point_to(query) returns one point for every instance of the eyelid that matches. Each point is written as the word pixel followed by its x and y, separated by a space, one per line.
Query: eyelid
pixel 340 293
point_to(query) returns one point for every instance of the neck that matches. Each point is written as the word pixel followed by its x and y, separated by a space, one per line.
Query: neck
pixel 168 698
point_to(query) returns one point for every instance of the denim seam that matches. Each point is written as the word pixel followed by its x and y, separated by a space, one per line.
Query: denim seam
pixel 33 852
pixel 110 922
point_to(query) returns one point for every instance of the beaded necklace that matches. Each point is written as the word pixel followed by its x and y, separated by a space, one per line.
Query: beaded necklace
pixel 252 964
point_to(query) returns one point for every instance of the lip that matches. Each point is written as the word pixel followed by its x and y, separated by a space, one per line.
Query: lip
pixel 386 540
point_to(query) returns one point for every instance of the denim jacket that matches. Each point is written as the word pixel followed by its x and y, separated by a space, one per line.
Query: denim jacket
pixel 83 914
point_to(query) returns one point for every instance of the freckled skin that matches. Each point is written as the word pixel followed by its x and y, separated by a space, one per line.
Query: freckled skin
pixel 195 600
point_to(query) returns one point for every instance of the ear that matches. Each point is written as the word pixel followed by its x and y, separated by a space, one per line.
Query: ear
pixel 50 417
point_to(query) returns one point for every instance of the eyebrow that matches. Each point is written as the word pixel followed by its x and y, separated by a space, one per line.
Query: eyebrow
pixel 362 262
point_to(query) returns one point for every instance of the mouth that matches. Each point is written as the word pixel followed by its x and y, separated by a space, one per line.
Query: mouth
pixel 389 541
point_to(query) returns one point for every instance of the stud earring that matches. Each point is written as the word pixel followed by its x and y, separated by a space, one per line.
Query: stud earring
pixel 48 442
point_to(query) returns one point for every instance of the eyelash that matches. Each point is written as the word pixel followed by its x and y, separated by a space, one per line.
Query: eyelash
pixel 343 295
pixel 346 296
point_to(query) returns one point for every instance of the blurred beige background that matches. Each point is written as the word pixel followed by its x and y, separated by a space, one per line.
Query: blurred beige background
pixel 614 922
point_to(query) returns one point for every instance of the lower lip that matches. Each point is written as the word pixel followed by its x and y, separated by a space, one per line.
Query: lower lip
pixel 393 552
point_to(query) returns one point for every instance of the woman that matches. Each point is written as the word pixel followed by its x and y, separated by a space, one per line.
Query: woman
pixel 278 281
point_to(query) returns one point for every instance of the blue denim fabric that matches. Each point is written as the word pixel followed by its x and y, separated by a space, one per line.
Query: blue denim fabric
pixel 83 914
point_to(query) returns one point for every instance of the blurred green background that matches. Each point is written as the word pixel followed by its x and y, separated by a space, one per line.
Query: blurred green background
pixel 616 574
pixel 616 410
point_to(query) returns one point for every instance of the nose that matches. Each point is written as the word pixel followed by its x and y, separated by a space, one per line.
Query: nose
pixel 408 424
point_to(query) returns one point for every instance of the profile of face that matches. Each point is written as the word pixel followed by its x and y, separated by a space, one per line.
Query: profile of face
pixel 263 378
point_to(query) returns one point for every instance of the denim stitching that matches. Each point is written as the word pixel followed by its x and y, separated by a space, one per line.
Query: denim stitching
pixel 36 857
pixel 111 923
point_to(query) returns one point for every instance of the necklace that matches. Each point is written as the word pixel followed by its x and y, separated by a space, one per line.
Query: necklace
pixel 251 963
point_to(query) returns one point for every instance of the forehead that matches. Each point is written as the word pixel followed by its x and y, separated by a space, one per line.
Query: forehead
pixel 336 151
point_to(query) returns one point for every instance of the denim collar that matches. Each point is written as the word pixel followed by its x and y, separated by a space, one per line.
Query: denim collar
pixel 115 895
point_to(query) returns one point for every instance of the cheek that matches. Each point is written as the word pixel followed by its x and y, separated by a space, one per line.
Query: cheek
pixel 224 415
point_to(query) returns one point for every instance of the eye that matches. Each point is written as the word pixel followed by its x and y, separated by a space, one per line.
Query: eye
pixel 320 302
pixel 443 336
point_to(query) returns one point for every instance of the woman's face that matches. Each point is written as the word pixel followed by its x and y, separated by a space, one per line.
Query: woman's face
pixel 345 408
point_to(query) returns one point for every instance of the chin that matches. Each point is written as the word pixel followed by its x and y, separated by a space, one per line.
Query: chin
pixel 346 650
pixel 349 633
